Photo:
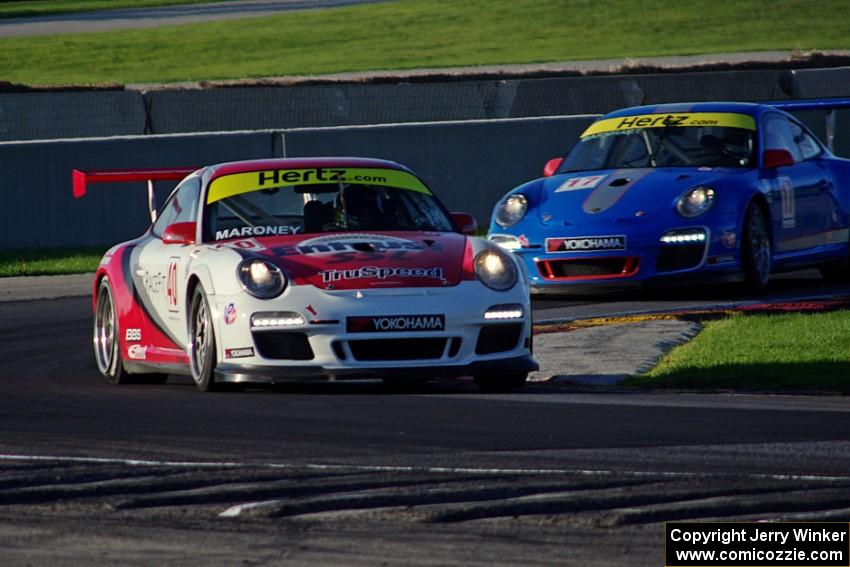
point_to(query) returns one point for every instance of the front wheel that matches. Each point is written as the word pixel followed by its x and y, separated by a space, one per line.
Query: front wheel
pixel 501 382
pixel 202 356
pixel 756 253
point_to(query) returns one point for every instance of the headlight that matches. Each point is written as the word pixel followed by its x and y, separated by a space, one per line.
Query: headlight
pixel 495 269
pixel 511 210
pixel 695 202
pixel 261 278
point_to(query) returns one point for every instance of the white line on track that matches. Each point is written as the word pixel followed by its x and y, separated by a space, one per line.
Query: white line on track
pixel 404 469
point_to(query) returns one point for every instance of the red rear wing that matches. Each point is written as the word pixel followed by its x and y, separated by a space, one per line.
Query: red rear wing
pixel 81 179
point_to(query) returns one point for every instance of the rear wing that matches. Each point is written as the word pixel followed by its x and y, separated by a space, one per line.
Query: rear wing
pixel 81 179
pixel 828 105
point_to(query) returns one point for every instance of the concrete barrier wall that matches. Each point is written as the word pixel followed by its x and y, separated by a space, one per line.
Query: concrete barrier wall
pixel 177 110
pixel 469 165
pixel 35 184
pixel 820 83
pixel 46 115
pixel 599 95
pixel 199 110
pixel 357 104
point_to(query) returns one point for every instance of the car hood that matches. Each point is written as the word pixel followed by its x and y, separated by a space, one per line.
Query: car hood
pixel 619 195
pixel 368 260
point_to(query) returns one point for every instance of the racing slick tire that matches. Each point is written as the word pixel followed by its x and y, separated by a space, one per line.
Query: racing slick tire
pixel 202 346
pixel 756 253
pixel 496 383
pixel 107 345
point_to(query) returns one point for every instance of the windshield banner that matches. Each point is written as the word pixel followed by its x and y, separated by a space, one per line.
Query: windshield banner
pixel 238 183
pixel 693 119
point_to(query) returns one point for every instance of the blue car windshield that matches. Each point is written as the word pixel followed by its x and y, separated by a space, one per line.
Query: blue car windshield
pixel 673 146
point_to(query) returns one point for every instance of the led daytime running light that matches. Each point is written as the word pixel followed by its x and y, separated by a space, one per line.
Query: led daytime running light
pixel 513 311
pixel 286 319
pixel 683 237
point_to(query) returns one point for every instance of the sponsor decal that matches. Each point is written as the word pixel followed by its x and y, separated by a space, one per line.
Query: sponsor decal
pixel 229 314
pixel 154 284
pixel 312 310
pixel 396 323
pixel 523 240
pixel 692 119
pixel 137 352
pixel 247 244
pixel 355 243
pixel 133 335
pixel 724 259
pixel 244 231
pixel 577 183
pixel 729 238
pixel 171 286
pixel 243 352
pixel 239 183
pixel 789 204
pixel 586 243
pixel 374 272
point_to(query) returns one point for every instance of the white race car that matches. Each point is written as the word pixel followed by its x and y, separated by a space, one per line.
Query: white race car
pixel 299 269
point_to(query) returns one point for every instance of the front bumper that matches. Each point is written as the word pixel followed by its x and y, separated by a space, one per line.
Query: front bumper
pixel 325 347
pixel 240 373
pixel 646 259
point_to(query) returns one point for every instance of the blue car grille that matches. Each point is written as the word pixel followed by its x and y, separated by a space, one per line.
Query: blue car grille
pixel 589 268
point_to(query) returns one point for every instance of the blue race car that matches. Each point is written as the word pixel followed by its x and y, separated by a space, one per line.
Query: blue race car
pixel 663 192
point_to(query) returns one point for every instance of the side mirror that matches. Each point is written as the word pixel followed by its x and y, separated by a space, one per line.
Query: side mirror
pixel 465 222
pixel 180 233
pixel 777 158
pixel 552 166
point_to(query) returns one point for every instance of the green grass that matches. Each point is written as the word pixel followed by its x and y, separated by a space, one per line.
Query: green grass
pixel 426 33
pixel 35 8
pixel 49 262
pixel 761 352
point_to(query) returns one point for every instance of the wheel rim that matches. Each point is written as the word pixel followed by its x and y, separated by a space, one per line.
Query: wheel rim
pixel 760 246
pixel 200 339
pixel 104 331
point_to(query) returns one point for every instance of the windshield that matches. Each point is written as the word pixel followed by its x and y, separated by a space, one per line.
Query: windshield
pixel 706 140
pixel 295 202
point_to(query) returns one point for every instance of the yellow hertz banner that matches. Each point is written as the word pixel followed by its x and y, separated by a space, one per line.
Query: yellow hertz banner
pixel 727 119
pixel 238 183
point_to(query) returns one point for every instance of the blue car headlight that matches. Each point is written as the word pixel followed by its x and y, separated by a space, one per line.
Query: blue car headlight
pixel 261 278
pixel 695 202
pixel 496 269
pixel 511 210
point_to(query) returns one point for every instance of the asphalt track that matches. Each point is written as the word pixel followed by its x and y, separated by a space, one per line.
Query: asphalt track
pixel 356 474
pixel 139 18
